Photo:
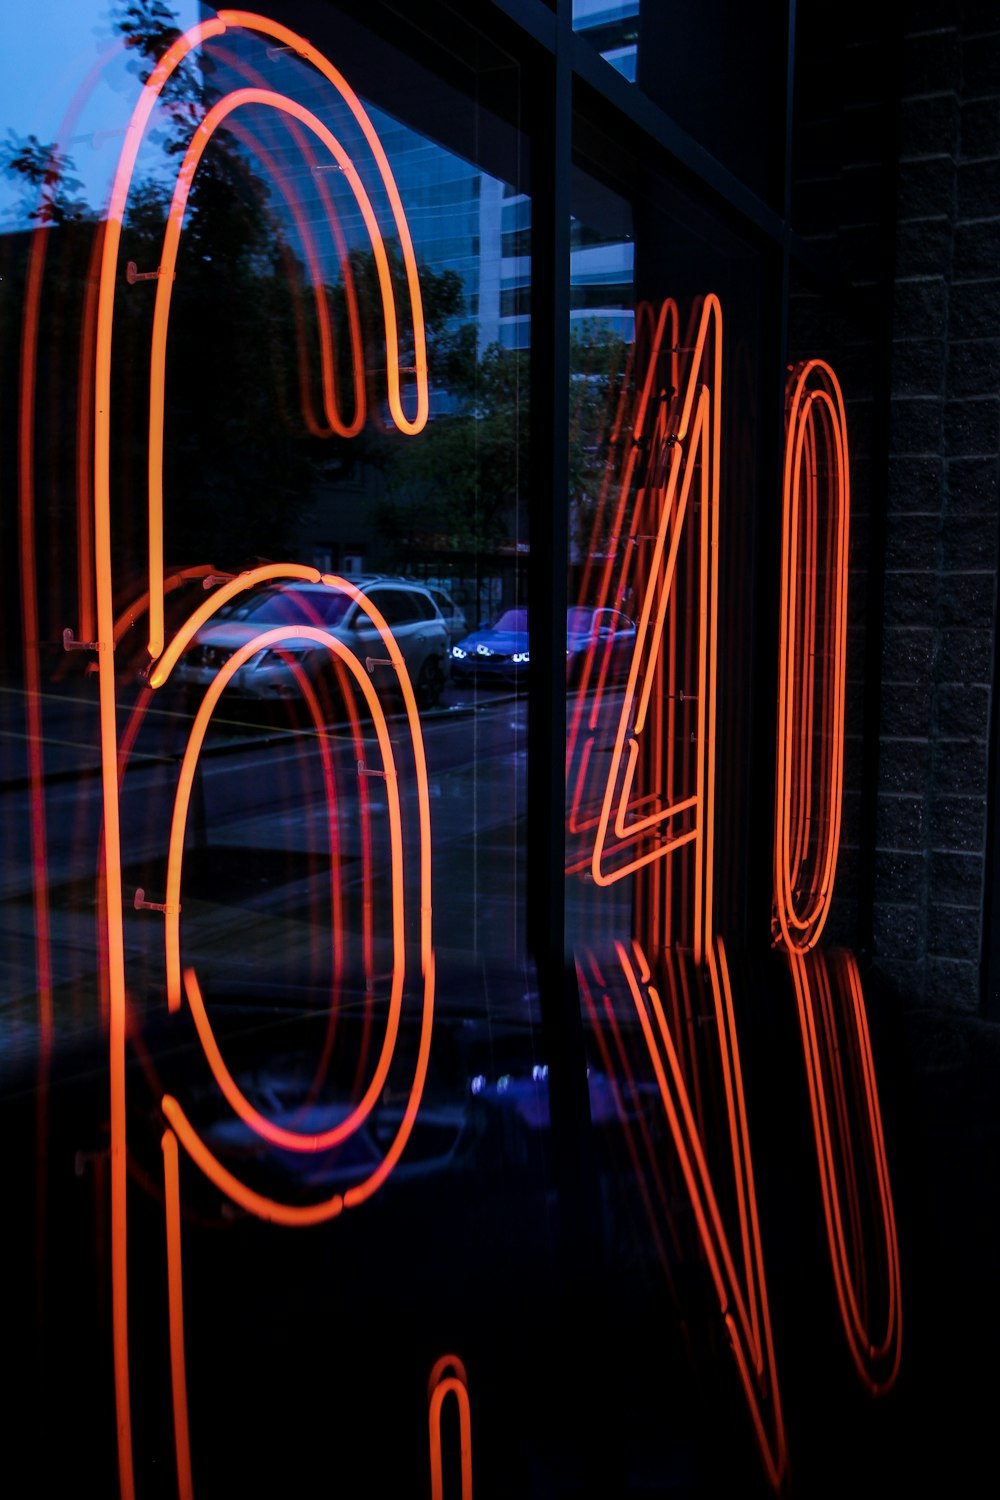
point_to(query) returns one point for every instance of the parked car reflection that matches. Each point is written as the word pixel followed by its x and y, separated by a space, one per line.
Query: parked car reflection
pixel 604 636
pixel 453 615
pixel 277 673
pixel 501 651
pixel 497 652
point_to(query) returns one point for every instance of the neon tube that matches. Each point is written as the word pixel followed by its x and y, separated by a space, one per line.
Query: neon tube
pixel 164 290
pixel 743 1302
pixel 277 635
pixel 451 1385
pixel 826 1046
pixel 335 423
pixel 175 1298
pixel 689 445
pixel 115 967
pixel 813 629
pixel 256 1203
pixel 254 22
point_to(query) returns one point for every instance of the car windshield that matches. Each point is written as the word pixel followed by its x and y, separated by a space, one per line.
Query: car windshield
pixel 513 619
pixel 285 607
pixel 579 620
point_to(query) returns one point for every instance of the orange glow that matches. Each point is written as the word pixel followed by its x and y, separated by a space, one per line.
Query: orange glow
pixel 742 1292
pixel 164 276
pixel 812 659
pixel 164 289
pixel 175 1297
pixel 267 1130
pixel 680 441
pixel 852 1161
pixel 255 1203
pixel 442 1385
pixel 301 1216
pixel 441 1367
pixel 335 423
pixel 615 550
pixel 306 50
pixel 160 670
pixel 139 605
pixel 276 636
pixel 843 1093
pixel 105 621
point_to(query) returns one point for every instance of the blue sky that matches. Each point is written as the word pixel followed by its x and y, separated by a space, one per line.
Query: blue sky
pixel 49 47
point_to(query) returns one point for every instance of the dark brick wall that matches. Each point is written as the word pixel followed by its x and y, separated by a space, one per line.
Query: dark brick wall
pixel 896 183
pixel 844 178
pixel 942 509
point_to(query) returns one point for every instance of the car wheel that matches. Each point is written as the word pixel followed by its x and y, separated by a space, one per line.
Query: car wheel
pixel 430 683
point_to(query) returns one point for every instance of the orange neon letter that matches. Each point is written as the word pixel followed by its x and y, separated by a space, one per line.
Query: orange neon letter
pixel 812 660
pixel 679 486
pixel 840 1070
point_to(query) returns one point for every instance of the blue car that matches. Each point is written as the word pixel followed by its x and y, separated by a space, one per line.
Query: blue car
pixel 497 652
pixel 604 638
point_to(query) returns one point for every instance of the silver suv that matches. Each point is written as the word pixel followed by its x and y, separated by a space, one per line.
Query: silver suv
pixel 408 609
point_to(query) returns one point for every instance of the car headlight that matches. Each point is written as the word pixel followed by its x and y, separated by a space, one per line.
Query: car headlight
pixel 483 651
pixel 282 657
pixel 458 653
pixel 520 657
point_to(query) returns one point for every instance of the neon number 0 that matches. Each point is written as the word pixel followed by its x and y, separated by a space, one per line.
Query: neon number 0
pixel 265 1207
pixel 809 775
pixel 812 655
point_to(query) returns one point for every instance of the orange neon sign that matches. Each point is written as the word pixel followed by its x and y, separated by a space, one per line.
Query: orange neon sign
pixel 673 464
pixel 812 654
pixel 164 654
pixel 840 1072
pixel 448 1378
pixel 639 798
pixel 657 798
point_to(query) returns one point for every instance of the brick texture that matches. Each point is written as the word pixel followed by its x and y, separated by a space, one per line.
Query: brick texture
pixel 931 531
pixel 942 517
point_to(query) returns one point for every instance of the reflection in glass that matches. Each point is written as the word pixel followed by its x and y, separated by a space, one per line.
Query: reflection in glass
pixel 265 380
pixel 612 26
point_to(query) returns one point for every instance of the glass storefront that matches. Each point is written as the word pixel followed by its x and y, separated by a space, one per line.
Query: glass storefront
pixel 315 1179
